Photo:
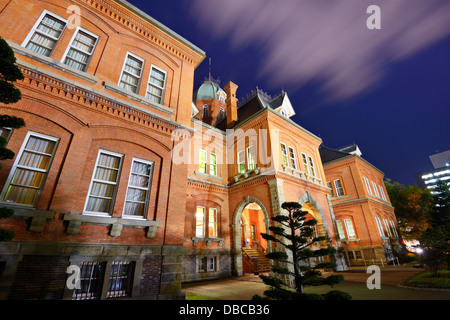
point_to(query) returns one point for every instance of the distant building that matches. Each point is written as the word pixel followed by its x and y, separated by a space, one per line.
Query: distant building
pixel 441 172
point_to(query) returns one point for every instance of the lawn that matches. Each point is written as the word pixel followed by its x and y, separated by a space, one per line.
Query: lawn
pixel 426 279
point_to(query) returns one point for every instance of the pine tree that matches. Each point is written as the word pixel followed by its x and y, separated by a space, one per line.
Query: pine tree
pixel 9 73
pixel 294 234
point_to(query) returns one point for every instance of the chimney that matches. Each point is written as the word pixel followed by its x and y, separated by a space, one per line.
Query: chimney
pixel 230 89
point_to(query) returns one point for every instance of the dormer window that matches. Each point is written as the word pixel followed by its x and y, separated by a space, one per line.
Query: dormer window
pixel 205 110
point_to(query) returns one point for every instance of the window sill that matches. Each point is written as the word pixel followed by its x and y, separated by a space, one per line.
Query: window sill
pixel 207 175
pixel 301 174
pixel 50 62
pixel 115 88
pixel 76 220
pixel 348 240
pixel 38 217
pixel 196 240
pixel 246 174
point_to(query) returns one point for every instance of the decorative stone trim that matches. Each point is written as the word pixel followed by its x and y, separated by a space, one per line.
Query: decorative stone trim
pixel 196 240
pixel 348 240
pixel 76 220
pixel 299 174
pixel 247 173
pixel 38 217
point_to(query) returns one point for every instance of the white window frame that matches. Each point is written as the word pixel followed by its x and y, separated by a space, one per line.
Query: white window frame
pixel 8 135
pixel 214 224
pixel 292 158
pixel 388 229
pixel 339 189
pixel 312 166
pixel 241 161
pixel 330 185
pixel 203 234
pixel 284 154
pixel 138 85
pixel 350 226
pixel 251 164
pixel 147 190
pixel 380 226
pixel 163 89
pixel 383 195
pixel 116 184
pixel 393 228
pixel 305 163
pixel 36 25
pixel 213 166
pixel 366 182
pixel 340 229
pixel 70 46
pixel 376 189
pixel 16 165
pixel 205 162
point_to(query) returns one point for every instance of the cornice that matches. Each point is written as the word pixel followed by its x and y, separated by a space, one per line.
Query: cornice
pixel 46 85
pixel 147 27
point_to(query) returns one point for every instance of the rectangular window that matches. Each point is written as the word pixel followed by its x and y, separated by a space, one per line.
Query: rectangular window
pixel 104 183
pixel 91 281
pixel 331 187
pixel 375 189
pixel 45 34
pixel 284 154
pixel 131 73
pixel 383 195
pixel 136 202
pixel 202 159
pixel 366 182
pixel 340 229
pixel 305 163
pixel 156 85
pixel 241 161
pixel 251 158
pixel 292 158
pixel 212 263
pixel 213 164
pixel 207 264
pixel 5 133
pixel 30 169
pixel 120 279
pixel 313 169
pixel 339 189
pixel 200 222
pixel 380 226
pixel 388 230
pixel 80 50
pixel 349 228
pixel 394 230
pixel 212 222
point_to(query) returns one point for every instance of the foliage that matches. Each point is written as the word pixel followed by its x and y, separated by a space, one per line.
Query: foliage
pixel 411 204
pixel 435 240
pixel 295 234
pixel 9 73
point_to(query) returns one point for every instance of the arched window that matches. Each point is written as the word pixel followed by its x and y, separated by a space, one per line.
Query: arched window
pixel 205 110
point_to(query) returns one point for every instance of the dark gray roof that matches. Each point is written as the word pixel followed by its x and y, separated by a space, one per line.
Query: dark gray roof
pixel 328 154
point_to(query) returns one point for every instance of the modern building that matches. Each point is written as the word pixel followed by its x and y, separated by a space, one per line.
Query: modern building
pixel 440 172
pixel 127 172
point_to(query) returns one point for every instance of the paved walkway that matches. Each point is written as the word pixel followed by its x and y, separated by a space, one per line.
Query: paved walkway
pixel 243 288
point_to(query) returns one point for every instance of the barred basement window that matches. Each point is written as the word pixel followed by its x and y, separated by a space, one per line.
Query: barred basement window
pixel 207 264
pixel 28 174
pixel 91 281
pixel 120 279
pixel 45 34
pixel 80 50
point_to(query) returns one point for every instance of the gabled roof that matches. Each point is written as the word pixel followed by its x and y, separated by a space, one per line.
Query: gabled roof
pixel 328 154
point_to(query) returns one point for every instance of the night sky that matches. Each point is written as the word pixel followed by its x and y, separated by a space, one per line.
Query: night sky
pixel 386 90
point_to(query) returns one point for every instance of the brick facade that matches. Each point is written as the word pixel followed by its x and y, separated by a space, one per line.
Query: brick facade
pixel 191 224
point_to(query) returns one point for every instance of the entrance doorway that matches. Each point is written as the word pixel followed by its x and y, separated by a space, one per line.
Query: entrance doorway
pixel 252 225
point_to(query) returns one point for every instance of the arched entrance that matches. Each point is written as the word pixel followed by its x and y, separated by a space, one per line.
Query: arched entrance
pixel 250 220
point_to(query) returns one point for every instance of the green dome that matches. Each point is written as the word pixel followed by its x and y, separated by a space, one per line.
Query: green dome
pixel 208 90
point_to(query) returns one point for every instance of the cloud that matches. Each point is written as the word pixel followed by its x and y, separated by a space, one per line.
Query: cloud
pixel 326 40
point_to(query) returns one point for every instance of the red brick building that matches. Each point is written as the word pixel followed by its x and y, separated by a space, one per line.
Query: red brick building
pixel 128 172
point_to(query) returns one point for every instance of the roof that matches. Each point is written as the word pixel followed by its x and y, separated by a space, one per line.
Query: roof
pixel 328 154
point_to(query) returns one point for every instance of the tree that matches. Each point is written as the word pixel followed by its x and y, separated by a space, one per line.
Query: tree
pixel 296 235
pixel 435 240
pixel 9 73
pixel 411 204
